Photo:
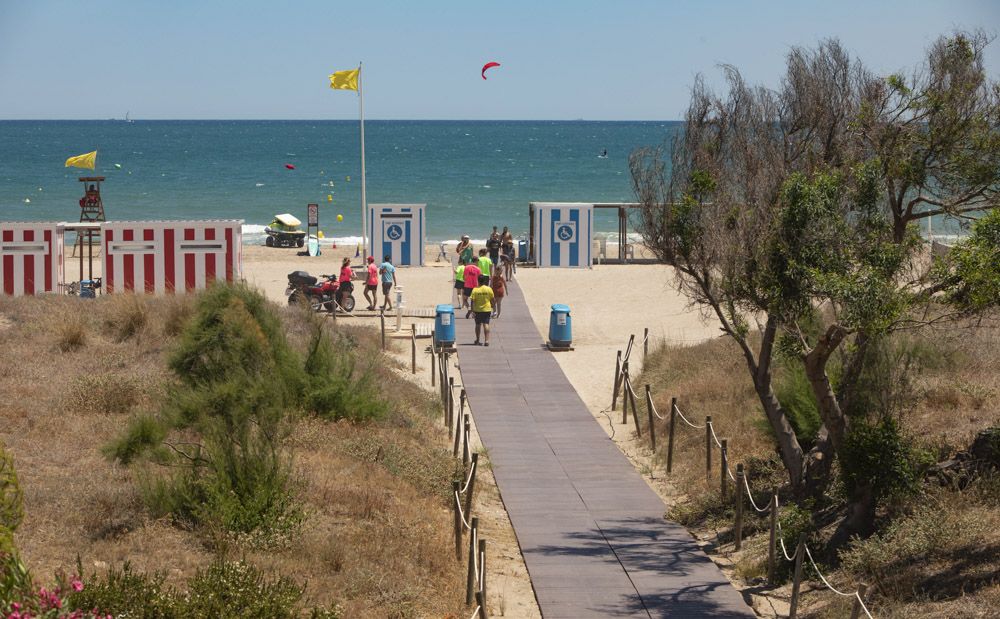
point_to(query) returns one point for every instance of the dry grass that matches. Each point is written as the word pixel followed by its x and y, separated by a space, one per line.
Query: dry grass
pixel 376 536
pixel 941 555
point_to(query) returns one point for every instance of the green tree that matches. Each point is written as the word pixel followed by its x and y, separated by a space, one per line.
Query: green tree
pixel 778 211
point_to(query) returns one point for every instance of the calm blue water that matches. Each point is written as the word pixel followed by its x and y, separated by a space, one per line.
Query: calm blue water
pixel 471 174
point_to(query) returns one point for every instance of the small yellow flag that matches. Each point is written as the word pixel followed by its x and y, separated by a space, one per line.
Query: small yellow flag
pixel 345 80
pixel 82 161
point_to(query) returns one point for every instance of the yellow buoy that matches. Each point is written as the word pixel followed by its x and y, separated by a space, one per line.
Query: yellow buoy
pixel 320 234
pixel 348 179
pixel 329 198
pixel 340 218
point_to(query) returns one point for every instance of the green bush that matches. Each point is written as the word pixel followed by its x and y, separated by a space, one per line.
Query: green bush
pixel 792 388
pixel 221 433
pixel 337 387
pixel 224 589
pixel 878 456
pixel 11 502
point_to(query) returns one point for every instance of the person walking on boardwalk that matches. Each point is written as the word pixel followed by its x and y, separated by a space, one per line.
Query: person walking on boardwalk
pixel 499 285
pixel 484 263
pixel 493 245
pixel 471 279
pixel 482 305
pixel 345 287
pixel 371 284
pixel 388 281
pixel 460 283
pixel 464 249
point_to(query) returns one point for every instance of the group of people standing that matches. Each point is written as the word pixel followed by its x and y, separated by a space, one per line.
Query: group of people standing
pixel 384 273
pixel 482 279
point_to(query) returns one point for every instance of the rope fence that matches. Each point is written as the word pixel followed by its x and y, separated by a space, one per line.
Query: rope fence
pixel 459 429
pixel 623 385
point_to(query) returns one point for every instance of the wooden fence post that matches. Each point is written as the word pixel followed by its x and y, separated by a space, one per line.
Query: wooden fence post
pixel 482 570
pixel 481 601
pixel 472 483
pixel 856 611
pixel 458 438
pixel 466 426
pixel 624 382
pixel 738 529
pixel 433 365
pixel 670 434
pixel 708 447
pixel 800 550
pixel 724 461
pixel 645 345
pixel 471 575
pixel 618 376
pixel 413 345
pixel 649 414
pixel 451 397
pixel 772 548
pixel 381 317
pixel 455 487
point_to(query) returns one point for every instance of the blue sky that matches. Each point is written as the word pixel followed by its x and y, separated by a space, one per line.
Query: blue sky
pixel 611 60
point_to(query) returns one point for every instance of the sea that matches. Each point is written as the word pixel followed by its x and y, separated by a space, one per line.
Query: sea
pixel 472 175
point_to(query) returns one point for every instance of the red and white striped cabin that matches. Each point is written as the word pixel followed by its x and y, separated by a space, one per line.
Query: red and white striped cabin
pixel 31 258
pixel 159 257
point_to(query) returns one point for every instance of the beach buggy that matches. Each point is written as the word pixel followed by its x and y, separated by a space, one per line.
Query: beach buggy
pixel 284 232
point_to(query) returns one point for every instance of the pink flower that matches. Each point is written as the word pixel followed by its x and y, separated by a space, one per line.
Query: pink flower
pixel 77 585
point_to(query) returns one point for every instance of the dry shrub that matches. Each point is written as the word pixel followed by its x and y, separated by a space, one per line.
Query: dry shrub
pixel 71 333
pixel 127 315
pixel 175 310
pixel 105 394
pixel 112 512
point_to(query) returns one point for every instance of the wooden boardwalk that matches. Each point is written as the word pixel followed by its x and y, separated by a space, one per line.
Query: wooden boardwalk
pixel 592 533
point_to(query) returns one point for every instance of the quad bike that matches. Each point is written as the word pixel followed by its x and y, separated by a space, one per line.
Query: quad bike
pixel 321 296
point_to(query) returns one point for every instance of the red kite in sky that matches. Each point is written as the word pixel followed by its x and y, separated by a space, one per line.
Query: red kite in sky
pixel 489 65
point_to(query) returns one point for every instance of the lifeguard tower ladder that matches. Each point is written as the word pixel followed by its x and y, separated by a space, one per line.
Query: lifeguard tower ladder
pixel 91 211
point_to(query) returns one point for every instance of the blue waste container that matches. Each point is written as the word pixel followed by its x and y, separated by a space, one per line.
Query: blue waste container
pixel 560 326
pixel 522 251
pixel 444 326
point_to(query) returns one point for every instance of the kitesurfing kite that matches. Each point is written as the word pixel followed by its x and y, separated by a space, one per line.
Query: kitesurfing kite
pixel 289 166
pixel 489 65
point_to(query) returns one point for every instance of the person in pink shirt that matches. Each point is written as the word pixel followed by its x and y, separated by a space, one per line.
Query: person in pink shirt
pixel 472 274
pixel 371 284
pixel 346 287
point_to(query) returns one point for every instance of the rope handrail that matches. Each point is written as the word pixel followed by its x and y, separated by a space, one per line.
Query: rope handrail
pixel 461 514
pixel 685 419
pixel 658 416
pixel 711 427
pixel 746 485
pixel 730 473
pixel 468 479
pixel 475 613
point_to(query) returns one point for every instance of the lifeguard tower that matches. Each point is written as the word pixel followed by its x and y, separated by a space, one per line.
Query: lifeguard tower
pixel 91 217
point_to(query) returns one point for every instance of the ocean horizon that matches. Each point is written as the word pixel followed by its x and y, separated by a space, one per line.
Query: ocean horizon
pixel 472 174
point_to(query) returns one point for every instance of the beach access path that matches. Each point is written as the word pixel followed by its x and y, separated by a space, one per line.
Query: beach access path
pixel 593 534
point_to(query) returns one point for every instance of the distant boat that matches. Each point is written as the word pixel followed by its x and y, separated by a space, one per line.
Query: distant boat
pixel 127 119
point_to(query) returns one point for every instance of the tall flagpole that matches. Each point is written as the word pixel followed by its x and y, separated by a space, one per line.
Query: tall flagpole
pixel 364 202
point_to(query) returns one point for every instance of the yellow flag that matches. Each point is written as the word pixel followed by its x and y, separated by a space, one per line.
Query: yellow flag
pixel 82 161
pixel 345 80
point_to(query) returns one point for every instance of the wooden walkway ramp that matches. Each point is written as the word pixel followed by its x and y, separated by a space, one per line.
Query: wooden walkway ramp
pixel 593 534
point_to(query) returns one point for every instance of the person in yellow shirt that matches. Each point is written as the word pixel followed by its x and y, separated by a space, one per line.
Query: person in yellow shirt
pixel 482 306
pixel 484 263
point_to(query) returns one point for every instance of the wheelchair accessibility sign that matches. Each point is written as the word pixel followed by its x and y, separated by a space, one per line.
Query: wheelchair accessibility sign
pixel 565 231
pixel 393 232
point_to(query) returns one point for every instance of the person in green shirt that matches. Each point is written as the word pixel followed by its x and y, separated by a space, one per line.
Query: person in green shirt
pixel 482 306
pixel 464 249
pixel 485 264
pixel 460 282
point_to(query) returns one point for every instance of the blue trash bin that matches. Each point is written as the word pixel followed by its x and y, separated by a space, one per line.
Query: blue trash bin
pixel 522 251
pixel 560 327
pixel 444 326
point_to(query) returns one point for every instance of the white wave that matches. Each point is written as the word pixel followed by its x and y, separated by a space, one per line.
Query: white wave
pixel 253 229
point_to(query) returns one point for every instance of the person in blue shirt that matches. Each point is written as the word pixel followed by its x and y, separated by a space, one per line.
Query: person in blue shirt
pixel 388 273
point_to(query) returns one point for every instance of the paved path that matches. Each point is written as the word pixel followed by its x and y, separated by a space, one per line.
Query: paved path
pixel 592 532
